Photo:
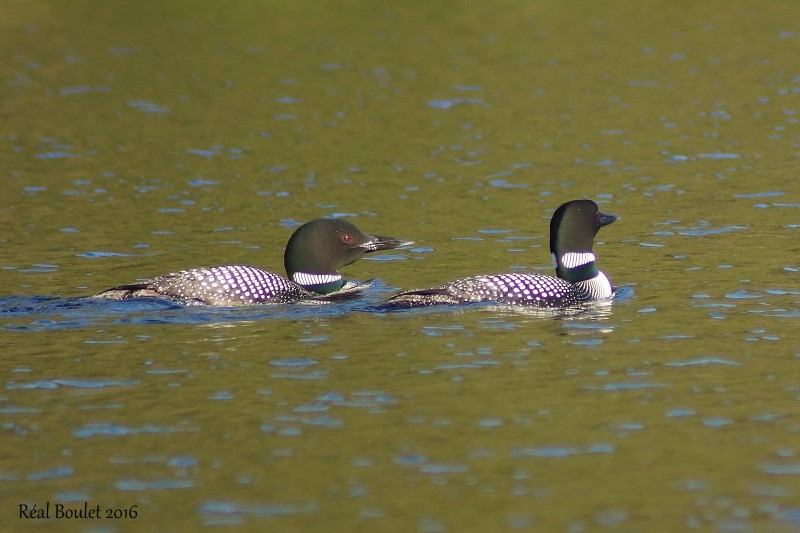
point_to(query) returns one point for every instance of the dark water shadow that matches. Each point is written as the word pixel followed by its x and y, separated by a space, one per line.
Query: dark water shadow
pixel 44 313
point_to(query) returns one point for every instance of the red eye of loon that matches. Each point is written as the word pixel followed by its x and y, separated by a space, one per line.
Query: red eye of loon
pixel 346 238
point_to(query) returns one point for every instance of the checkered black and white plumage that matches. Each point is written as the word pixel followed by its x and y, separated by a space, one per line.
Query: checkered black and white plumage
pixel 526 290
pixel 227 285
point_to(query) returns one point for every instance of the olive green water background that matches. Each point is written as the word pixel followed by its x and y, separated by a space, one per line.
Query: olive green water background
pixel 139 138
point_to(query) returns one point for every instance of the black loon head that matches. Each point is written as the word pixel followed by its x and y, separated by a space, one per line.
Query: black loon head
pixel 318 249
pixel 572 231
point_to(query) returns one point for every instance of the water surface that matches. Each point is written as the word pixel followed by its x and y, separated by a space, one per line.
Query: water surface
pixel 147 139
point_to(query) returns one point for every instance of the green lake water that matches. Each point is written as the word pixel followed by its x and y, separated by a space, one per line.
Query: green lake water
pixel 140 138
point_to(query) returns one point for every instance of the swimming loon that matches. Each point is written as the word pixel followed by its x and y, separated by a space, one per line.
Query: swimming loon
pixel 572 230
pixel 313 256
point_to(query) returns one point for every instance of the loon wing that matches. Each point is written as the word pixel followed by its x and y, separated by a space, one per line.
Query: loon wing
pixel 125 292
pixel 350 291
pixel 423 297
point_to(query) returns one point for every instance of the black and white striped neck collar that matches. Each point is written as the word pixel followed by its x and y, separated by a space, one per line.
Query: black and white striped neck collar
pixel 321 283
pixel 575 266
pixel 598 287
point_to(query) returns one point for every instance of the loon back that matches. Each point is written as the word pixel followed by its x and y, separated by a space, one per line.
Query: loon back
pixel 525 290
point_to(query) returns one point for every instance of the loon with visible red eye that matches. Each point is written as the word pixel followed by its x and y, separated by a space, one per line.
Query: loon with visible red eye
pixel 572 231
pixel 312 259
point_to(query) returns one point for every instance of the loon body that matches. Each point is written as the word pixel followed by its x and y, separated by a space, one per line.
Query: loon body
pixel 312 259
pixel 572 231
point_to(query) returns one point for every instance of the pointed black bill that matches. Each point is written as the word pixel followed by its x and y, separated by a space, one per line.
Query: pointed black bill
pixel 606 218
pixel 377 242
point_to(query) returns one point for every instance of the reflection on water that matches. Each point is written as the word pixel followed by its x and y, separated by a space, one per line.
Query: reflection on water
pixel 47 313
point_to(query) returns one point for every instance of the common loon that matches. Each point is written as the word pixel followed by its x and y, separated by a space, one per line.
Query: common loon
pixel 572 230
pixel 313 256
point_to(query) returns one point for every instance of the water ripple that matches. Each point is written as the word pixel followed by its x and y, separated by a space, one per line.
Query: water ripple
pixel 218 507
pixel 781 469
pixel 557 451
pixel 116 430
pixel 444 468
pixel 717 155
pixel 79 383
pixel 147 107
pixel 703 361
pixel 712 231
pixel 293 363
pixel 312 375
pixel 453 102
pixel 717 422
pixel 96 254
pixel 154 484
pixel 61 471
pixel 627 385
pixel 368 399
pixel 759 194
pixel 13 409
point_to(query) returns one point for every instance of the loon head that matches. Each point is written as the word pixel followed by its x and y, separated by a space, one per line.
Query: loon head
pixel 572 231
pixel 318 249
